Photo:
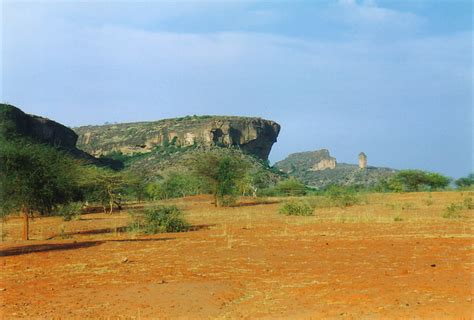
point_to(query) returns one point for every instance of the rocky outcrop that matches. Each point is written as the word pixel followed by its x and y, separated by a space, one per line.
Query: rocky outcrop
pixel 362 160
pixel 319 170
pixel 324 164
pixel 307 161
pixel 14 123
pixel 252 135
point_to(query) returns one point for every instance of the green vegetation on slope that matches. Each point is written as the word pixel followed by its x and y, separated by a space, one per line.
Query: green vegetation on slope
pixel 174 174
pixel 343 174
pixel 317 169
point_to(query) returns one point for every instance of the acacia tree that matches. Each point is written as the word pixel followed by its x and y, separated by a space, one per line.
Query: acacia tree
pixel 223 174
pixel 175 185
pixel 415 180
pixel 465 182
pixel 105 186
pixel 35 178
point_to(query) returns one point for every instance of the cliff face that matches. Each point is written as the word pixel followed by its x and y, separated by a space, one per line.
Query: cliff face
pixel 324 164
pixel 14 123
pixel 252 135
pixel 310 161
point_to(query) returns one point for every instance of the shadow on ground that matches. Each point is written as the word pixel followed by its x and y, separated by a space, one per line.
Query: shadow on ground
pixel 15 251
pixel 251 204
pixel 120 230
pixel 198 227
pixel 45 247
pixel 90 232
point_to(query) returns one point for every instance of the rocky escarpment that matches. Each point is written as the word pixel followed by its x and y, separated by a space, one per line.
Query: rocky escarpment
pixel 319 170
pixel 14 123
pixel 309 160
pixel 252 135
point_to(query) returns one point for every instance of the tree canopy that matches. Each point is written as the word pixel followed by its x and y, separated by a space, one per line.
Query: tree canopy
pixel 223 174
pixel 36 178
pixel 417 180
pixel 465 181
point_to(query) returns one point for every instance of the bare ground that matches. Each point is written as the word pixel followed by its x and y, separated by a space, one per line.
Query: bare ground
pixel 247 262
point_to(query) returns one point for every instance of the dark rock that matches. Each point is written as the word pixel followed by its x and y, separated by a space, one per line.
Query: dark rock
pixel 14 123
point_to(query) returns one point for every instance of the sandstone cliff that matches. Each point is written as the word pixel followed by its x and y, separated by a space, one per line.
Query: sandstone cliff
pixel 252 135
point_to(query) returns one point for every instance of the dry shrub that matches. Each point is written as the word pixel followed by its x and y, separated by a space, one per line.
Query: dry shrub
pixel 296 208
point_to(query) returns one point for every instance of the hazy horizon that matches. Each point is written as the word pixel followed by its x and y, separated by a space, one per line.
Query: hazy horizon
pixel 390 78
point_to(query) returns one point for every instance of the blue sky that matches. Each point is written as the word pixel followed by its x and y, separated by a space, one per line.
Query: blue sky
pixel 390 78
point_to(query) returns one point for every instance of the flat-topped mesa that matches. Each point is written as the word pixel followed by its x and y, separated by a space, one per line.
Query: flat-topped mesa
pixel 252 135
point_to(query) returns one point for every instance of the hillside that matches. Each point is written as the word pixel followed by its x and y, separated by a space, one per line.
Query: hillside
pixel 152 160
pixel 14 124
pixel 162 161
pixel 319 170
pixel 252 135
pixel 155 149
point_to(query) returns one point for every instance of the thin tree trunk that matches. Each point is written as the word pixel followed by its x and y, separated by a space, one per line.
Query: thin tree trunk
pixel 26 224
pixel 111 200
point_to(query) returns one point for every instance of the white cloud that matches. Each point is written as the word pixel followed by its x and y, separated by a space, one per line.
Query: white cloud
pixel 369 16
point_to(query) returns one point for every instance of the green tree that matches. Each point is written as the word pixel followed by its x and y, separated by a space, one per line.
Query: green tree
pixel 465 181
pixel 436 181
pixel 416 180
pixel 154 190
pixel 381 186
pixel 36 178
pixel 408 180
pixel 175 185
pixel 179 184
pixel 223 174
pixel 262 178
pixel 136 187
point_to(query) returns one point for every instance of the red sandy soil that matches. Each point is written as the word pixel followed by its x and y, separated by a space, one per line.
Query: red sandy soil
pixel 247 262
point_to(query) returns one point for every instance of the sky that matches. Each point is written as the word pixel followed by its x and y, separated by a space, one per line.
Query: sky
pixel 390 78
